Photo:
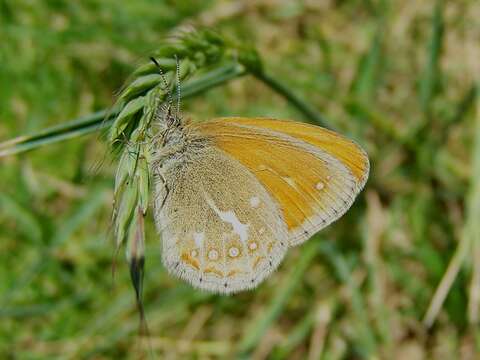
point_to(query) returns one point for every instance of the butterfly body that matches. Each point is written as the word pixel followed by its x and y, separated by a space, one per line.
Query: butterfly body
pixel 233 194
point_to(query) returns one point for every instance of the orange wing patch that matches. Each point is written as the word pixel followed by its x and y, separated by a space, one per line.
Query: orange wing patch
pixel 313 175
pixel 345 150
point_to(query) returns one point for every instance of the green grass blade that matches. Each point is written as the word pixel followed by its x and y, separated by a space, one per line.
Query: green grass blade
pixel 364 333
pixel 467 102
pixel 430 79
pixel 24 219
pixel 75 128
pixel 304 107
pixel 213 78
pixel 297 335
pixel 367 78
pixel 102 119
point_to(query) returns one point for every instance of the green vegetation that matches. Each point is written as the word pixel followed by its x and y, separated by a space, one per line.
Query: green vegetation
pixel 397 277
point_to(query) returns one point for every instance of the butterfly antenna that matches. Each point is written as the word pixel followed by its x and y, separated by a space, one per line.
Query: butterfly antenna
pixel 165 83
pixel 164 79
pixel 178 87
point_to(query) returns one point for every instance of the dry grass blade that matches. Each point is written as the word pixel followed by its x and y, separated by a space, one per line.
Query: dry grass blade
pixel 474 210
pixel 468 245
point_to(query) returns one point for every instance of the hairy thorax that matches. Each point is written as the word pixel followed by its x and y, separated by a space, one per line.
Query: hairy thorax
pixel 176 147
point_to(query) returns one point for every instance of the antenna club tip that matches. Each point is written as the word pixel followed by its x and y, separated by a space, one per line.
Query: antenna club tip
pixel 154 61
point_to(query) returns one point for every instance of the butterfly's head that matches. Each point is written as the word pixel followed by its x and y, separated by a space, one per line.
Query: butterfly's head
pixel 169 136
pixel 167 118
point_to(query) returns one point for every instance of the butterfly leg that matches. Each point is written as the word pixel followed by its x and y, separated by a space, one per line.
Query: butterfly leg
pixel 167 190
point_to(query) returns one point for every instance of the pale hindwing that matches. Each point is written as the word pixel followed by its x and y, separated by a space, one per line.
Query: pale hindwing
pixel 312 173
pixel 221 231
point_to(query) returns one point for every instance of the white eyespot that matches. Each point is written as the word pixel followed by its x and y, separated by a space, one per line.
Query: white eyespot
pixel 329 177
pixel 253 245
pixel 233 252
pixel 193 253
pixel 213 254
pixel 320 185
pixel 254 202
pixel 261 230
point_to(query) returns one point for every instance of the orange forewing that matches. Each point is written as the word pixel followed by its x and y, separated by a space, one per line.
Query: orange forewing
pixel 310 191
pixel 342 148
pixel 277 172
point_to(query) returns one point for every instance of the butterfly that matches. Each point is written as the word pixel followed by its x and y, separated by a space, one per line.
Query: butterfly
pixel 233 194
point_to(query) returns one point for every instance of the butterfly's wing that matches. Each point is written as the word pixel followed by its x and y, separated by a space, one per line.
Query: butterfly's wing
pixel 221 230
pixel 244 190
pixel 313 174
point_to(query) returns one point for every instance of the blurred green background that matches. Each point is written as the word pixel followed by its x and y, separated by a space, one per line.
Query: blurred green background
pixel 399 77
